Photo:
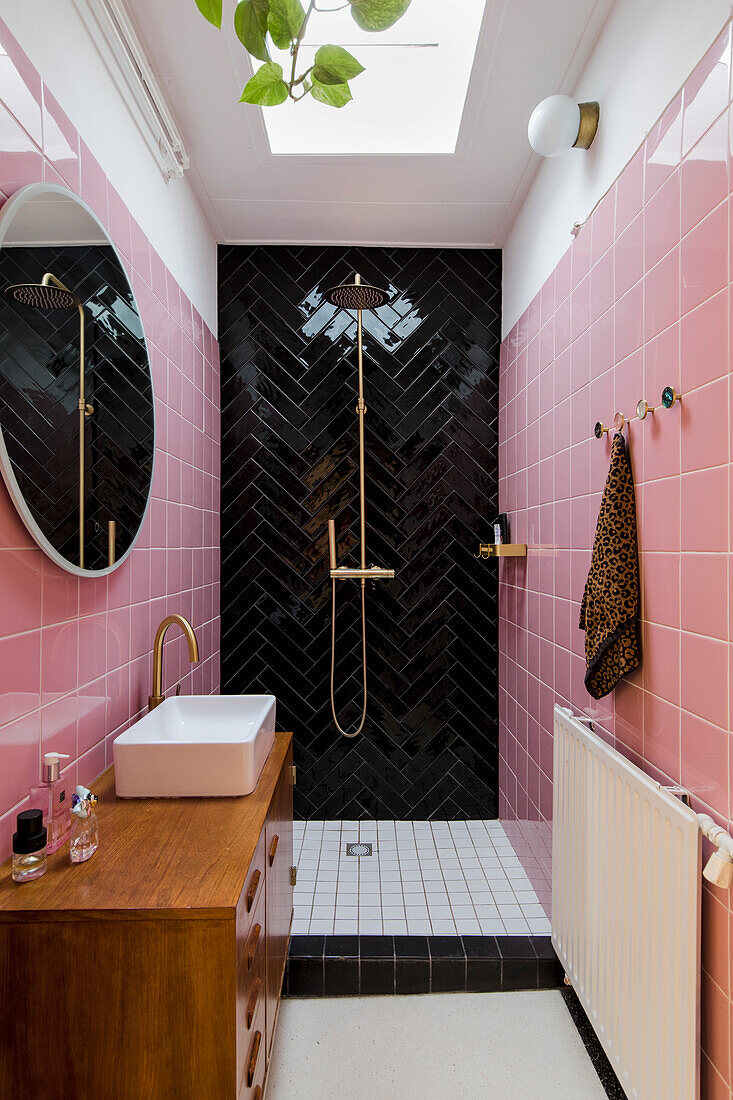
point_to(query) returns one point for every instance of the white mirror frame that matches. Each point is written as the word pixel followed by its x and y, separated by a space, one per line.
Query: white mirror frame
pixel 6 467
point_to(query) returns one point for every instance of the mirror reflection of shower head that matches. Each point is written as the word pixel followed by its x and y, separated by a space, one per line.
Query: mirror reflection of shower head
pixel 43 296
pixel 357 296
pixel 51 294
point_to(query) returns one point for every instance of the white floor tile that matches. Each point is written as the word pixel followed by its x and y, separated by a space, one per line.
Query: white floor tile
pixel 491 926
pixel 370 927
pixel 320 928
pixel 440 912
pixel 516 926
pixel 419 927
pixel 396 927
pixel 451 876
pixel 441 926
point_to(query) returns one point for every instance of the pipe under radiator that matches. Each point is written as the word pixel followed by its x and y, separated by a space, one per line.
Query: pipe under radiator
pixel 626 911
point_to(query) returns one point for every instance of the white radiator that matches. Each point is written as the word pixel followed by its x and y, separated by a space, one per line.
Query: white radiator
pixel 626 911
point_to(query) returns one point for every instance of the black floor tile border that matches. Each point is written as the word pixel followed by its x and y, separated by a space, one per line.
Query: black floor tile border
pixel 606 1073
pixel 333 966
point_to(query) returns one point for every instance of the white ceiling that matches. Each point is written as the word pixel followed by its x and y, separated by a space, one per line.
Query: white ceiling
pixel 527 49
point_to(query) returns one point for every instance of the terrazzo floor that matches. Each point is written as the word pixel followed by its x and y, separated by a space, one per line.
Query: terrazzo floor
pixel 454 1046
pixel 422 878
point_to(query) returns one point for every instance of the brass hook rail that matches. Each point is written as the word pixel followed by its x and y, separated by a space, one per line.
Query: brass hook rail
pixel 669 398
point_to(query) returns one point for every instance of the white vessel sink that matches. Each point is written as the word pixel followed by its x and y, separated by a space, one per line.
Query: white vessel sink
pixel 196 745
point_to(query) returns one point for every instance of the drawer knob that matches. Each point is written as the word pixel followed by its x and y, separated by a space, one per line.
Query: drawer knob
pixel 254 939
pixel 273 848
pixel 252 1002
pixel 252 892
pixel 254 1051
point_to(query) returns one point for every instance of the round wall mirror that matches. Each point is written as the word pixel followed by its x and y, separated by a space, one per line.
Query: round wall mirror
pixel 77 431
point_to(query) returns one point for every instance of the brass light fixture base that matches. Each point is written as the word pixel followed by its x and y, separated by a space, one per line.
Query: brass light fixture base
pixel 589 115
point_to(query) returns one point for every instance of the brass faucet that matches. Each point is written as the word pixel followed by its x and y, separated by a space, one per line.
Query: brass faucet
pixel 157 697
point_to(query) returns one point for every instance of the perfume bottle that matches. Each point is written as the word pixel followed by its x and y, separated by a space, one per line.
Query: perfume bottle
pixel 85 828
pixel 50 797
pixel 29 846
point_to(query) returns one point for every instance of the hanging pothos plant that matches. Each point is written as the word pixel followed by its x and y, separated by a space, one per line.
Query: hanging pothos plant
pixel 283 23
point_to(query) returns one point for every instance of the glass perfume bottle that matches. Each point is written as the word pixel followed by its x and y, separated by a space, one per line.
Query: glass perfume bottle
pixel 29 846
pixel 85 828
pixel 50 797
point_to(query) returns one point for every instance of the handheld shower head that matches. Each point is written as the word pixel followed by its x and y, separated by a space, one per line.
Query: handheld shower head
pixel 357 296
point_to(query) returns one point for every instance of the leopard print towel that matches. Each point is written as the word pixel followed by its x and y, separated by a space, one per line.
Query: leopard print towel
pixel 610 607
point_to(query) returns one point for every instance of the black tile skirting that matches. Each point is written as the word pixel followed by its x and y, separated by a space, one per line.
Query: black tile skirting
pixel 333 966
pixel 611 1084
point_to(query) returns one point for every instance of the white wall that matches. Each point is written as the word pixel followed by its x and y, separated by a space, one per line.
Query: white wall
pixel 53 35
pixel 643 56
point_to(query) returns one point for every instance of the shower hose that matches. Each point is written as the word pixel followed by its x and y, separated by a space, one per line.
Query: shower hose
pixel 360 727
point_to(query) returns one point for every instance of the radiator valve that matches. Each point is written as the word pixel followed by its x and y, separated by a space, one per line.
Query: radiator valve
pixel 719 868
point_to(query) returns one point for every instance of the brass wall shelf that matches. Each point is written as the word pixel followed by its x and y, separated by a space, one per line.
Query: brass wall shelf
pixel 501 550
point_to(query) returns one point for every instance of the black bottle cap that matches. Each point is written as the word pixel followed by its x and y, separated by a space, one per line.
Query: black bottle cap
pixel 31 834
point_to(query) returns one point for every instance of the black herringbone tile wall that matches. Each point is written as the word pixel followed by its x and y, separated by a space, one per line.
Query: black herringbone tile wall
pixel 290 462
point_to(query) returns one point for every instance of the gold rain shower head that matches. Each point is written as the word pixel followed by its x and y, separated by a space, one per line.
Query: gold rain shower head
pixel 43 296
pixel 357 295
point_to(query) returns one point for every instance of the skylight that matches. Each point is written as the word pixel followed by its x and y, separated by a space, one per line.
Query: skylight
pixel 410 98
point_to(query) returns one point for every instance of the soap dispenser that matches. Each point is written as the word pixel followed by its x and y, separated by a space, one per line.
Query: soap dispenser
pixel 50 797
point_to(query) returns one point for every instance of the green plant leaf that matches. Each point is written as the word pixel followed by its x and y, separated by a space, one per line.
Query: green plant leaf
pixel 262 10
pixel 333 95
pixel 284 21
pixel 335 65
pixel 378 15
pixel 249 30
pixel 267 87
pixel 211 10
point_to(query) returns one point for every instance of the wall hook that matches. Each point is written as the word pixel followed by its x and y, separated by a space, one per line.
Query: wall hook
pixel 643 409
pixel 670 396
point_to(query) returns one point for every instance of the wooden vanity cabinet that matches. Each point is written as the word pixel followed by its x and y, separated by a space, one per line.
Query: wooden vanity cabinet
pixel 154 970
pixel 279 845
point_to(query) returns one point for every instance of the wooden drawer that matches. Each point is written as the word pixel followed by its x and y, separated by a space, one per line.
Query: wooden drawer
pixel 254 888
pixel 251 984
pixel 251 993
pixel 254 1065
pixel 251 938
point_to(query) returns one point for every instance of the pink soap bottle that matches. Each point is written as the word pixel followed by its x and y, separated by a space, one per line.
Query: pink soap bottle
pixel 50 797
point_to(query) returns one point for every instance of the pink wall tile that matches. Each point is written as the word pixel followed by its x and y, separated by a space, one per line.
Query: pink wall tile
pixel 662 295
pixel 704 175
pixel 661 299
pixel 706 93
pixel 20 87
pixel 704 687
pixel 662 221
pixel 705 594
pixel 60 141
pixel 85 674
pixel 663 149
pixel 22 162
pixel 704 257
pixel 629 256
pixel 21 572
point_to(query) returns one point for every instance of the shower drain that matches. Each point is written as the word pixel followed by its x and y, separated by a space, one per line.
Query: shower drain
pixel 358 849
